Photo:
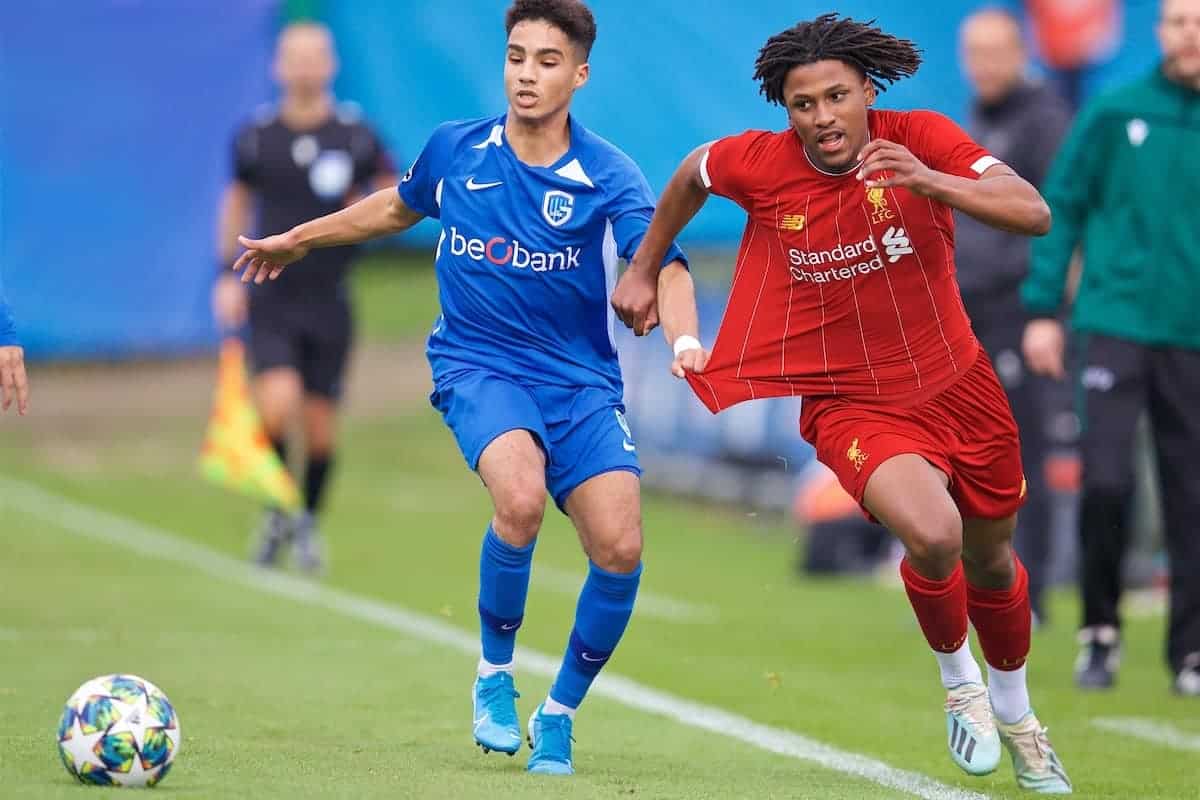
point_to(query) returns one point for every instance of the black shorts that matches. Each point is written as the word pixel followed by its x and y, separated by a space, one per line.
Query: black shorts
pixel 312 338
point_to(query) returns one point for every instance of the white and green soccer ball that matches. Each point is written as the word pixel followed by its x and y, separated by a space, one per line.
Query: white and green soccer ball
pixel 118 730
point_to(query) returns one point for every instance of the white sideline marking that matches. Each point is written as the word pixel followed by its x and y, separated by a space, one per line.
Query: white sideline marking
pixel 93 523
pixel 649 604
pixel 1150 730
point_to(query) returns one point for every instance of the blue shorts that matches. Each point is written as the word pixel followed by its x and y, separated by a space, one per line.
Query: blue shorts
pixel 582 430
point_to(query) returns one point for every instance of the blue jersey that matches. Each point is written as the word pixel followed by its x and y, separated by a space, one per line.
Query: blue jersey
pixel 527 259
pixel 8 333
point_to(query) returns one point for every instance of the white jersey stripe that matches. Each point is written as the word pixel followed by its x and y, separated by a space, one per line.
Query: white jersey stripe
pixel 854 292
pixel 984 164
pixel 895 305
pixel 937 314
pixel 821 295
pixel 791 288
pixel 704 176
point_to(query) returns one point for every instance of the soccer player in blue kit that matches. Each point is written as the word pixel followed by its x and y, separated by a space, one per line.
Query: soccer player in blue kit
pixel 535 211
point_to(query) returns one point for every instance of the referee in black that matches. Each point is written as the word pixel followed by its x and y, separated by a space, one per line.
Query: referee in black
pixel 306 157
pixel 1022 124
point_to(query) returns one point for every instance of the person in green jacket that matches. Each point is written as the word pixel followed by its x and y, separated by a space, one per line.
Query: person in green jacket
pixel 1123 189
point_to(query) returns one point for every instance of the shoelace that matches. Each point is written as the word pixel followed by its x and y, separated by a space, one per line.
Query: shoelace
pixel 553 733
pixel 492 694
pixel 1034 747
pixel 977 712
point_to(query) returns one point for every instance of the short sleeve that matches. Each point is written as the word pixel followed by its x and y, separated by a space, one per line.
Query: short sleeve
pixel 942 145
pixel 420 188
pixel 729 166
pixel 8 329
pixel 246 159
pixel 630 208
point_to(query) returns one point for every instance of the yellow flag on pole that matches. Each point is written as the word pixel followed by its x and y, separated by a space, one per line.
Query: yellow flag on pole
pixel 237 453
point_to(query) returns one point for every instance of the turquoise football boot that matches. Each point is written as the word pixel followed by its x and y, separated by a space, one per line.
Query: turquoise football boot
pixel 496 726
pixel 1034 760
pixel 550 737
pixel 971 730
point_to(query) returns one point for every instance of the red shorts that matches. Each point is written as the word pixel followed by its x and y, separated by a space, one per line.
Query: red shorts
pixel 967 431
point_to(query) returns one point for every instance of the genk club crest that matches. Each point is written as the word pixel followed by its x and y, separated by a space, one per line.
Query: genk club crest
pixel 557 207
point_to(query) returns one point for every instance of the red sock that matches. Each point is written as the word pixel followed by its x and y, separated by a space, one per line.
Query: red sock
pixel 1003 620
pixel 941 606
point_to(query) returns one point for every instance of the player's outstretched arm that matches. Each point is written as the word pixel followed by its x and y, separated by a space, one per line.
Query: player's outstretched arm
pixel 680 320
pixel 999 198
pixel 379 214
pixel 636 297
pixel 14 385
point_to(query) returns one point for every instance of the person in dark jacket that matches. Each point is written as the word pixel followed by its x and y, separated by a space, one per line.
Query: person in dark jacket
pixel 1021 123
pixel 1121 189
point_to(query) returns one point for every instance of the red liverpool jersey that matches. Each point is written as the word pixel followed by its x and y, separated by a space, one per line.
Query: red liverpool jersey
pixel 839 289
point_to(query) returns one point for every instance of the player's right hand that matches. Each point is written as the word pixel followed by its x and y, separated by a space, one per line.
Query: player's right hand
pixel 1044 344
pixel 230 302
pixel 693 360
pixel 13 383
pixel 636 300
pixel 266 258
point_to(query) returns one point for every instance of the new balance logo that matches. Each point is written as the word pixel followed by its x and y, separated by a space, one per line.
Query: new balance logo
pixel 896 243
pixel 476 187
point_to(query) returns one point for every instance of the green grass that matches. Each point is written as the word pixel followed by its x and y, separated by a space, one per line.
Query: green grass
pixel 283 699
pixel 395 293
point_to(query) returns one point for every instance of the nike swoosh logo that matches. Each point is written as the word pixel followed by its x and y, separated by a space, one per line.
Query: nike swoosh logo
pixel 629 446
pixel 475 187
pixel 508 627
pixel 586 657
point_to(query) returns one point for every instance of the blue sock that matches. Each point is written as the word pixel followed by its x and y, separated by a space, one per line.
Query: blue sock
pixel 604 608
pixel 503 585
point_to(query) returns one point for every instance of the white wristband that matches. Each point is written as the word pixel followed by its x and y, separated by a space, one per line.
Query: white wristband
pixel 686 342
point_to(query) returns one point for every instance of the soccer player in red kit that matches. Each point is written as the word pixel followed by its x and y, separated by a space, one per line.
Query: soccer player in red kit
pixel 844 292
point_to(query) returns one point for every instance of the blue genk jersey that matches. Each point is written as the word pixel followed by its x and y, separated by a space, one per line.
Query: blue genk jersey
pixel 8 333
pixel 527 259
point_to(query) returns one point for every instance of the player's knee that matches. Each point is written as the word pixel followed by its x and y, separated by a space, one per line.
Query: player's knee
pixel 519 513
pixel 936 544
pixel 625 553
pixel 991 565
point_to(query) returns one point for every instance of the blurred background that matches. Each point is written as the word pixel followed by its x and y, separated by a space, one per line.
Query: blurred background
pixel 117 124
pixel 115 147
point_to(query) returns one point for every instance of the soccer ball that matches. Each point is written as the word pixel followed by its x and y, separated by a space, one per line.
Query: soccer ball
pixel 118 730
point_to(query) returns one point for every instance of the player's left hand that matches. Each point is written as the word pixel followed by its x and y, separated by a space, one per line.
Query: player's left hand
pixel 693 360
pixel 266 258
pixel 636 300
pixel 904 168
pixel 13 383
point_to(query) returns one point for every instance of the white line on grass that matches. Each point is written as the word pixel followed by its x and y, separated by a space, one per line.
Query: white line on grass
pixel 650 604
pixel 102 526
pixel 1150 730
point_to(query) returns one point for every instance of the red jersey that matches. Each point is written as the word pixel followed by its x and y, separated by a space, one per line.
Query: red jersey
pixel 839 289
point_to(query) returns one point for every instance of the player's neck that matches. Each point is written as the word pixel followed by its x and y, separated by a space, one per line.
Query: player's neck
pixel 305 112
pixel 538 143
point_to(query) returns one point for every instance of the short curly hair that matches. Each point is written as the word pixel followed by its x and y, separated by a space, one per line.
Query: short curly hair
pixel 571 17
pixel 879 56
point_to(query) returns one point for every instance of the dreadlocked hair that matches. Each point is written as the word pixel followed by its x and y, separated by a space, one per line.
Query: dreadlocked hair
pixel 879 56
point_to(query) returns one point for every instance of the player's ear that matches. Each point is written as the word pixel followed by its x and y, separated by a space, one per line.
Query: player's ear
pixel 582 73
pixel 869 91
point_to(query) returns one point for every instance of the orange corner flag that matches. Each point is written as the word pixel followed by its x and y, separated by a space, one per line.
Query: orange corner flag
pixel 236 453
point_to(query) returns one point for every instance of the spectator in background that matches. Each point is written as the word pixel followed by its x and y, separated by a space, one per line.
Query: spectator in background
pixel 304 158
pixel 1122 188
pixel 13 383
pixel 1021 123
